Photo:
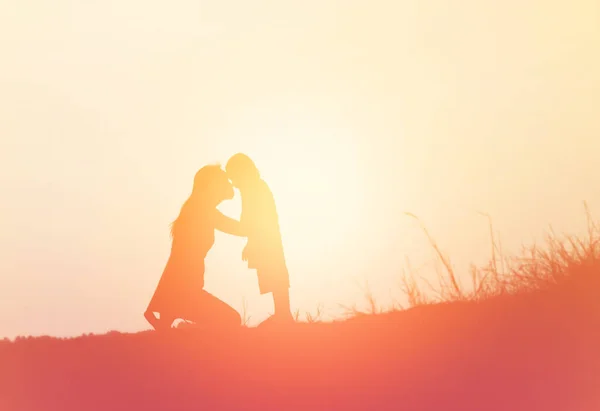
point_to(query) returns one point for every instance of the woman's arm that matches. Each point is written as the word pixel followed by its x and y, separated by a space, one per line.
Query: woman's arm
pixel 228 225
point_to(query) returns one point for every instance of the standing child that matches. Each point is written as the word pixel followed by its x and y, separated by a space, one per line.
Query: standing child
pixel 264 249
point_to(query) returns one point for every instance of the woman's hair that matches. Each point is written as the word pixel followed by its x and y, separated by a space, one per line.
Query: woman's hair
pixel 210 183
pixel 241 165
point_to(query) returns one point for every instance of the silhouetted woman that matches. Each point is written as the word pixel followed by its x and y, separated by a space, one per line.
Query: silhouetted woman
pixel 180 293
pixel 259 220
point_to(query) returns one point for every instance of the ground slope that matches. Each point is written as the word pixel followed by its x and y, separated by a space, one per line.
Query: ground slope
pixel 536 351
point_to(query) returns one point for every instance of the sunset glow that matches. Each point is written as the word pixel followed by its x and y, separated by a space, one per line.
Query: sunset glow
pixel 354 113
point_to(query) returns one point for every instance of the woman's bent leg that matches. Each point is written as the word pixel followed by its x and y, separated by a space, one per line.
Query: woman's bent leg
pixel 211 311
pixel 163 323
pixel 151 318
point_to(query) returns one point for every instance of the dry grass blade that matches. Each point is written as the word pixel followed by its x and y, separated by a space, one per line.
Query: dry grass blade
pixel 245 316
pixel 445 261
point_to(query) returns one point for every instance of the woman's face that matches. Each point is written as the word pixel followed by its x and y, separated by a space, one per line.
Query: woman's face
pixel 224 188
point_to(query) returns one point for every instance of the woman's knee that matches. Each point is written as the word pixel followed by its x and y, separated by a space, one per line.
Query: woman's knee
pixel 235 318
pixel 220 311
pixel 228 315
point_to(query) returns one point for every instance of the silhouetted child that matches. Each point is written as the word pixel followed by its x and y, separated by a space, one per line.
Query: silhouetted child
pixel 264 249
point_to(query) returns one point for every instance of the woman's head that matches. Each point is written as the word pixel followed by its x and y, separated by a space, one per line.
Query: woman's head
pixel 241 170
pixel 212 185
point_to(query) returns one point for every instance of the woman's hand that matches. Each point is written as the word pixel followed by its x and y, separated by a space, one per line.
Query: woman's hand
pixel 228 225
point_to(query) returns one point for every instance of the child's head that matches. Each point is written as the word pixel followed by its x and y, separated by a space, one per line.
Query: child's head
pixel 241 170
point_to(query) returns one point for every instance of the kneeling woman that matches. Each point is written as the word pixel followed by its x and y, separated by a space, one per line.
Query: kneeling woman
pixel 180 292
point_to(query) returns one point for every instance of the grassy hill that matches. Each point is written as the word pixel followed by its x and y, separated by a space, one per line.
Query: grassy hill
pixel 525 337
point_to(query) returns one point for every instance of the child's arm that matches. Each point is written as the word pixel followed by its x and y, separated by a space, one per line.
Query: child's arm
pixel 228 225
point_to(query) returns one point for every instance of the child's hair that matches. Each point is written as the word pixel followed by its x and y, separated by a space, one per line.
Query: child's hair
pixel 209 181
pixel 240 164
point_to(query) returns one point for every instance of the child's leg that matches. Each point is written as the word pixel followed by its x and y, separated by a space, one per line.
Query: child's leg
pixel 275 280
pixel 281 301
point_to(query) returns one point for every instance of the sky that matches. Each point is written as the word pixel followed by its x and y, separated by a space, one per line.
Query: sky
pixel 355 112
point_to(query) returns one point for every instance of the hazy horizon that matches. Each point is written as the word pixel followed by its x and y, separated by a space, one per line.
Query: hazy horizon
pixel 354 112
